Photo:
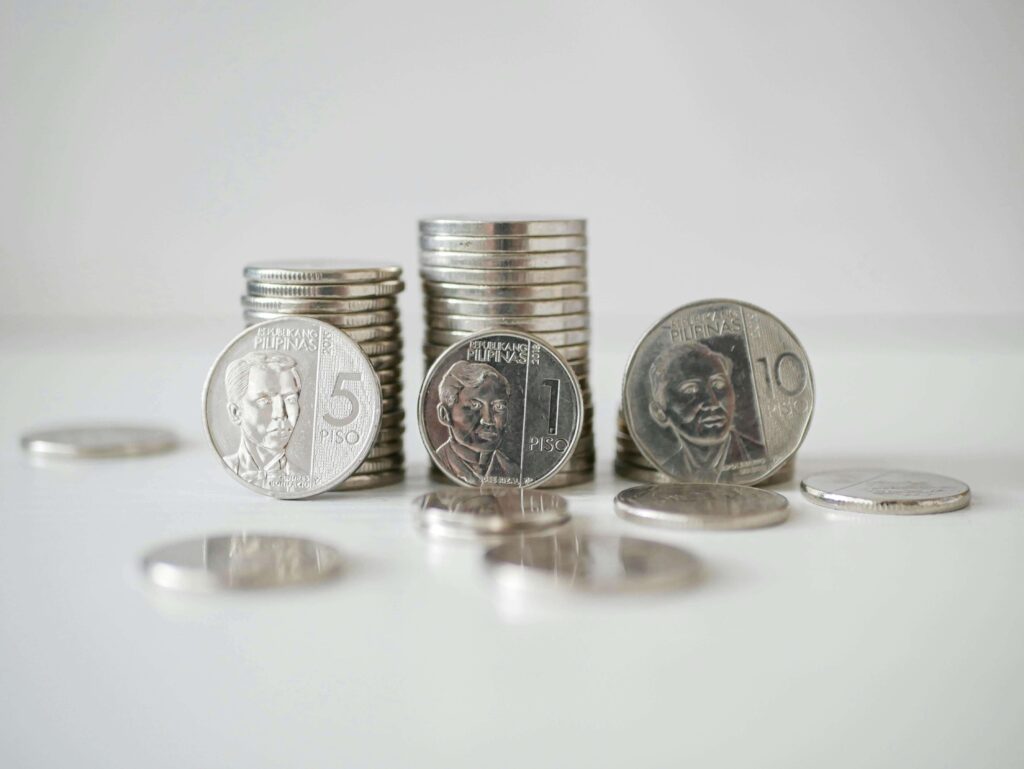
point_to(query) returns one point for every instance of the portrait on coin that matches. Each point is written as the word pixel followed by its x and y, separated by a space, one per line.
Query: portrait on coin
pixel 703 396
pixel 473 405
pixel 262 391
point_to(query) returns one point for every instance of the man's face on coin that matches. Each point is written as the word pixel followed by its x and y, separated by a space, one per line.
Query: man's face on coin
pixel 478 417
pixel 697 398
pixel 269 409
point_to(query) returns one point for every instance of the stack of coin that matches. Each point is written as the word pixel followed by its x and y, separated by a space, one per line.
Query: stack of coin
pixel 524 274
pixel 362 301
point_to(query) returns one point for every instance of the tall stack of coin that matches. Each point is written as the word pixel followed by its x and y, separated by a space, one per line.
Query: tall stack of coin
pixel 362 301
pixel 525 274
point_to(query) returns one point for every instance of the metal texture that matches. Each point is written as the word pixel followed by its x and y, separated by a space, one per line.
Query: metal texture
pixel 702 506
pixel 474 292
pixel 484 277
pixel 896 492
pixel 98 441
pixel 497 226
pixel 462 512
pixel 324 290
pixel 504 244
pixel 320 272
pixel 492 261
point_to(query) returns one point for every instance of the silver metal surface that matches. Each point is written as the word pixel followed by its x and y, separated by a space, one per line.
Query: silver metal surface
pixel 483 227
pixel 591 563
pixel 320 272
pixel 469 291
pixel 578 336
pixel 718 391
pixel 324 290
pixel 500 409
pixel 505 244
pixel 88 441
pixel 241 562
pixel 292 407
pixel 501 308
pixel 702 506
pixel 494 261
pixel 897 492
pixel 462 512
pixel 364 481
pixel 328 306
pixel 539 323
pixel 343 321
pixel 481 277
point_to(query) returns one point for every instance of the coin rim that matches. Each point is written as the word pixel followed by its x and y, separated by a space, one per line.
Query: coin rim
pixel 637 513
pixel 834 501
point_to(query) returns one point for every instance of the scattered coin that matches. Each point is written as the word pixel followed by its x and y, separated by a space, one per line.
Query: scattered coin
pixel 292 407
pixel 473 513
pixel 591 563
pixel 718 391
pixel 897 492
pixel 98 441
pixel 500 408
pixel 494 226
pixel 702 506
pixel 241 562
pixel 320 272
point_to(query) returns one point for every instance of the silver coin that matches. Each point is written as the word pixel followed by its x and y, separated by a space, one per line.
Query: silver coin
pixel 385 449
pixel 358 333
pixel 562 480
pixel 386 361
pixel 702 506
pixel 241 562
pixel 395 418
pixel 718 391
pixel 381 464
pixel 540 323
pixel 363 481
pixel 574 355
pixel 324 290
pixel 469 291
pixel 485 226
pixel 327 306
pixel 382 347
pixel 462 512
pixel 591 563
pixel 449 306
pixel 898 492
pixel 503 277
pixel 292 407
pixel 343 320
pixel 98 441
pixel 531 261
pixel 320 272
pixel 554 338
pixel 500 408
pixel 503 244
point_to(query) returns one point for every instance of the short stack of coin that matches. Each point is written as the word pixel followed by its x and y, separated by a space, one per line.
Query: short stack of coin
pixel 523 274
pixel 362 301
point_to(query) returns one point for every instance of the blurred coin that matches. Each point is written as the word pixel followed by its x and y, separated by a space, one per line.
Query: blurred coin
pixel 343 321
pixel 469 291
pixel 509 244
pixel 534 261
pixel 381 464
pixel 490 511
pixel 591 563
pixel 500 409
pixel 385 449
pixel 320 272
pixel 285 379
pixel 702 506
pixel 718 391
pixel 541 323
pixel 241 562
pixel 389 376
pixel 540 226
pixel 552 338
pixel 392 390
pixel 898 492
pixel 356 334
pixel 381 347
pixel 640 474
pixel 361 481
pixel 503 277
pixel 98 441
pixel 385 361
pixel 563 479
pixel 394 418
pixel 503 308
pixel 575 355
pixel 321 290
pixel 328 306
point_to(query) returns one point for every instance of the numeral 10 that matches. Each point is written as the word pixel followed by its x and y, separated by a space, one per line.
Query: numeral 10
pixel 790 365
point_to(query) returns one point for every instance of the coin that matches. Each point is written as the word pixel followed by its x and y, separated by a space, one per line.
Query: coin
pixel 320 272
pixel 343 320
pixel 702 506
pixel 541 323
pixel 292 407
pixel 563 479
pixel 323 290
pixel 534 261
pixel 355 333
pixel 500 408
pixel 476 308
pixel 89 441
pixel 362 481
pixel 462 512
pixel 591 563
pixel 575 355
pixel 718 391
pixel 470 291
pixel 378 348
pixel 898 492
pixel 241 562
pixel 483 277
pixel 539 226
pixel 327 306
pixel 505 244
pixel 553 338
pixel 384 449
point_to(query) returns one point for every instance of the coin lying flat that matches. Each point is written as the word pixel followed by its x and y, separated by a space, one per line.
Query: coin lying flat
pixel 241 562
pixel 502 244
pixel 285 306
pixel 718 391
pixel 484 277
pixel 500 408
pixel 702 506
pixel 539 323
pixel 497 226
pixel 897 492
pixel 504 261
pixel 320 272
pixel 462 513
pixel 292 407
pixel 324 290
pixel 342 320
pixel 98 441
pixel 591 563
pixel 475 292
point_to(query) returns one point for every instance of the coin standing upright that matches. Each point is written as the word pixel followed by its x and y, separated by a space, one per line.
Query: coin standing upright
pixel 525 274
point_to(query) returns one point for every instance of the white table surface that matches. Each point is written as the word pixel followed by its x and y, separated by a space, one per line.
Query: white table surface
pixel 838 640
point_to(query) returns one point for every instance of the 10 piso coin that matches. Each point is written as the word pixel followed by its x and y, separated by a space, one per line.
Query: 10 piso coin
pixel 292 407
pixel 718 391
pixel 500 408
pixel 702 506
